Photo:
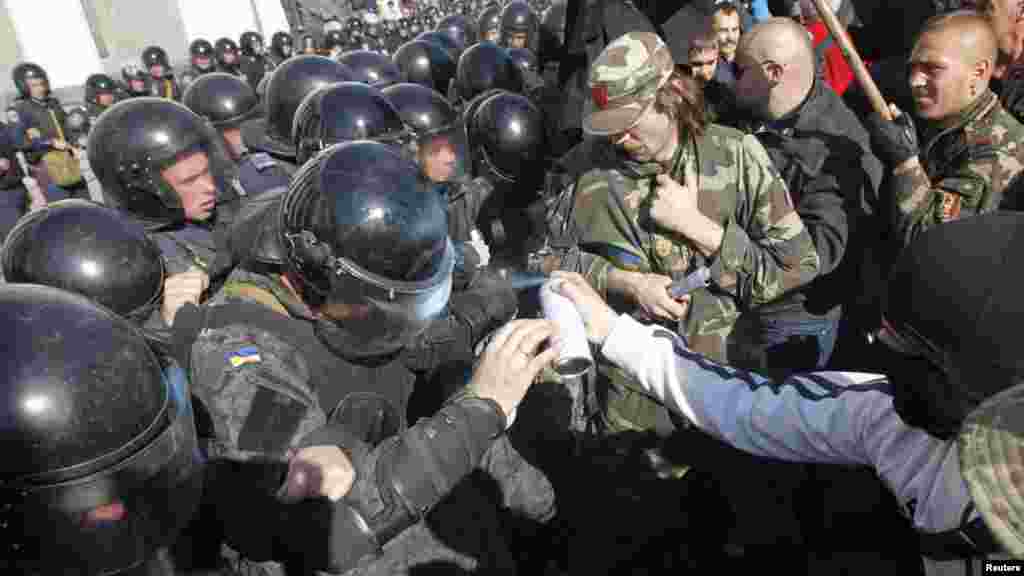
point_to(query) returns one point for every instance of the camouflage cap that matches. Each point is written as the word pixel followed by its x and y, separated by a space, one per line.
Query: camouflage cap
pixel 624 81
pixel 991 446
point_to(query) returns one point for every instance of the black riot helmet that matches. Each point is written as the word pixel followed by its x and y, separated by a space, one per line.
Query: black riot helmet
pixel 517 18
pixel 25 71
pixel 334 40
pixel 524 59
pixel 155 56
pixel 354 23
pixel 131 74
pixel 425 63
pixel 201 48
pixel 552 29
pixel 371 67
pixel 344 112
pixel 282 45
pixel 505 134
pixel 288 85
pixel 134 140
pixel 89 249
pixel 485 67
pixel 224 100
pixel 251 44
pixel 442 40
pixel 77 121
pixel 227 53
pixel 98 84
pixel 459 29
pixel 102 466
pixel 367 241
pixel 489 24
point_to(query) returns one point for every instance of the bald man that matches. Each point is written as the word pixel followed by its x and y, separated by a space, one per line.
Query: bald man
pixel 970 148
pixel 824 155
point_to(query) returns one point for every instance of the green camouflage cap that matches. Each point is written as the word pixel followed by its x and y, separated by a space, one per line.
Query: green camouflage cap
pixel 991 445
pixel 624 81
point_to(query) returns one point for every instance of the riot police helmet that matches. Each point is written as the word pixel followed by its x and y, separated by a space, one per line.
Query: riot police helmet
pixel 156 56
pixel 366 239
pixel 489 24
pixel 505 134
pixel 90 249
pixel 226 52
pixel 26 71
pixel 224 100
pixel 444 41
pixel 459 29
pixel 201 52
pixel 97 85
pixel 282 44
pixel 288 85
pixel 486 66
pixel 425 63
pixel 102 467
pixel 345 112
pixel 251 44
pixel 371 67
pixel 519 26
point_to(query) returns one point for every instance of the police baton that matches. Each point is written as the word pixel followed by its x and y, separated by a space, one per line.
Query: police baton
pixel 838 31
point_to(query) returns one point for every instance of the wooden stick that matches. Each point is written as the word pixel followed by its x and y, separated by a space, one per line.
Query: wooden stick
pixel 838 32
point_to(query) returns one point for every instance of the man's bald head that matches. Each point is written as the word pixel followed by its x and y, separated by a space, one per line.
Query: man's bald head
pixel 775 62
pixel 782 40
pixel 968 33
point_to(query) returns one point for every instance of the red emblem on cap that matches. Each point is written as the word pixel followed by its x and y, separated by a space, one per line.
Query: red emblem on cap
pixel 600 96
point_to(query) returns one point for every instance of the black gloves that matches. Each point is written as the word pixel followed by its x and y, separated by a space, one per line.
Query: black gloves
pixel 485 307
pixel 894 142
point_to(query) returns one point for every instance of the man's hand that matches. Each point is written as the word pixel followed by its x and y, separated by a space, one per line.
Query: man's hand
pixel 650 291
pixel 36 198
pixel 317 472
pixel 597 315
pixel 512 360
pixel 894 142
pixel 58 144
pixel 674 205
pixel 180 289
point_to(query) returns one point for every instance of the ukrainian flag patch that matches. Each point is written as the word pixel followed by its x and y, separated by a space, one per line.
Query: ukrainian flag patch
pixel 243 356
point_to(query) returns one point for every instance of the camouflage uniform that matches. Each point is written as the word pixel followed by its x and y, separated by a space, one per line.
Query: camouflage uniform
pixel 963 171
pixel 765 250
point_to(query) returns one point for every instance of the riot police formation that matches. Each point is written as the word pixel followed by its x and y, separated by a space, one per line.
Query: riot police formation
pixel 256 63
pixel 425 63
pixel 282 47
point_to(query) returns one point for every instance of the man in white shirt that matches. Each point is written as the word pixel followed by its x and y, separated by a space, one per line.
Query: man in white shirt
pixel 944 432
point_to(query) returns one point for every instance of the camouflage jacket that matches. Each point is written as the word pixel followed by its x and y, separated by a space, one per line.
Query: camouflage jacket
pixel 765 250
pixel 963 171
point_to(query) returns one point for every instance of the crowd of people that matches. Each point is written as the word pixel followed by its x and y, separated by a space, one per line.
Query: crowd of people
pixel 277 312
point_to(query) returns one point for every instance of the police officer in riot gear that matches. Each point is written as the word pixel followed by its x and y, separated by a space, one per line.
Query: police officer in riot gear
pixel 425 63
pixel 519 27
pixel 135 81
pixel 225 101
pixel 201 61
pixel 482 68
pixel 255 62
pixel 168 168
pixel 334 43
pixel 103 467
pixel 506 145
pixel 289 84
pixel 77 122
pixel 439 151
pixel 100 94
pixel 37 123
pixel 161 78
pixel 282 47
pixel 442 40
pixel 489 24
pixel 371 68
pixel 227 56
pixel 331 345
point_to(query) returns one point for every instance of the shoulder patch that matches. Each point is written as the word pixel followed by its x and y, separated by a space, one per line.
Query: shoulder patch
pixel 243 356
pixel 262 161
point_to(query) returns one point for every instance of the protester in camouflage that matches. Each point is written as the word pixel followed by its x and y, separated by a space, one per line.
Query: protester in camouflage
pixel 970 150
pixel 682 195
